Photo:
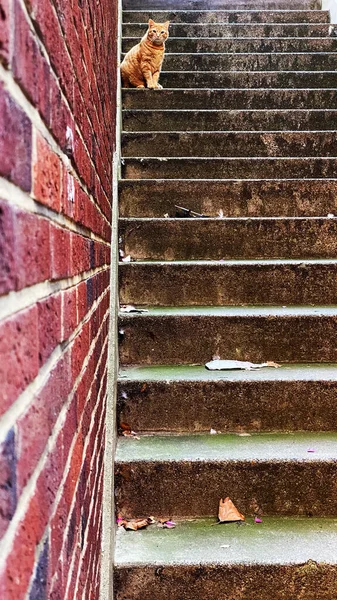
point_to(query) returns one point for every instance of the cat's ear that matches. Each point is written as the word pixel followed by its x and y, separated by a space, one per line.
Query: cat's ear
pixel 151 23
pixel 166 24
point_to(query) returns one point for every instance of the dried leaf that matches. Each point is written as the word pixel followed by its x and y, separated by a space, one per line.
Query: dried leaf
pixel 126 258
pixel 221 215
pixel 213 431
pixel 143 388
pixel 228 512
pixel 229 365
pixel 167 216
pixel 135 524
pixel 128 308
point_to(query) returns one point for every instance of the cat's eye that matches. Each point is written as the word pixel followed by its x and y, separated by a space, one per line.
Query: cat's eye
pixel 163 31
pixel 154 30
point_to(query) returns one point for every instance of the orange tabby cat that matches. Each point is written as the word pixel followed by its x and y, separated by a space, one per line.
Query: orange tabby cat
pixel 142 64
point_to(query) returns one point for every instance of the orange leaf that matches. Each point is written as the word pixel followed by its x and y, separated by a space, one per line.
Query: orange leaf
pixel 135 524
pixel 228 512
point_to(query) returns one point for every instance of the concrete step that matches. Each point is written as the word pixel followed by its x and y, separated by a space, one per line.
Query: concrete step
pixel 186 475
pixel 255 198
pixel 208 283
pixel 249 79
pixel 306 61
pixel 299 397
pixel 264 44
pixel 227 16
pixel 229 120
pixel 293 557
pixel 228 168
pixel 222 4
pixel 229 99
pixel 233 30
pixel 191 335
pixel 230 144
pixel 233 238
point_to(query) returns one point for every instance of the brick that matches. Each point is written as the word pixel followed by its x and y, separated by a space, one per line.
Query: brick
pixel 80 254
pixel 15 142
pixel 5 15
pixel 36 424
pixel 32 248
pixel 69 194
pixel 82 300
pixel 19 361
pixel 29 66
pixel 69 312
pixel 49 317
pixel 8 491
pixel 38 590
pixel 60 240
pixel 7 249
pixel 47 175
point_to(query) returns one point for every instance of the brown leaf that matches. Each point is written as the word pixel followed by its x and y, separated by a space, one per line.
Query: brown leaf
pixel 125 427
pixel 143 388
pixel 228 512
pixel 135 524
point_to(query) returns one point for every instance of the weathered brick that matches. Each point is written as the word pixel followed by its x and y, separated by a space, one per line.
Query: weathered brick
pixel 38 589
pixel 19 360
pixel 47 175
pixel 7 249
pixel 37 422
pixel 15 142
pixel 49 316
pixel 80 253
pixel 60 240
pixel 5 31
pixel 8 490
pixel 32 248
pixel 69 312
pixel 29 66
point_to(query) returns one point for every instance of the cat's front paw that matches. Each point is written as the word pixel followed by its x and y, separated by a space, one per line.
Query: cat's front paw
pixel 159 87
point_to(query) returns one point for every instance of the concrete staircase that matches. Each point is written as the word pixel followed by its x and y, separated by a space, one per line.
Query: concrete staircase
pixel 244 133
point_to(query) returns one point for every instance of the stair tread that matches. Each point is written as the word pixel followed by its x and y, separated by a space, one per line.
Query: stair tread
pixel 227 447
pixel 287 372
pixel 235 311
pixel 277 540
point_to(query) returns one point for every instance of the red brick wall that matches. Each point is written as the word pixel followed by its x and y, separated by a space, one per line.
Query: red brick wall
pixel 57 123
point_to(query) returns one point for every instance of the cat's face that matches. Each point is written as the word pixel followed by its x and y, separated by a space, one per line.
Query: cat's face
pixel 158 32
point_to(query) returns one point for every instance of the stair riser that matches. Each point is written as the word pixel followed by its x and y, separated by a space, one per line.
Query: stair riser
pixel 251 62
pixel 245 45
pixel 249 80
pixel 236 168
pixel 288 144
pixel 221 285
pixel 229 120
pixel 193 488
pixel 229 99
pixel 194 239
pixel 227 16
pixel 137 30
pixel 221 4
pixel 241 582
pixel 235 198
pixel 228 406
pixel 194 340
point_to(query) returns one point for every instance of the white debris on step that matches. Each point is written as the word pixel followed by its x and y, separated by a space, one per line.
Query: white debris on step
pixel 229 365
